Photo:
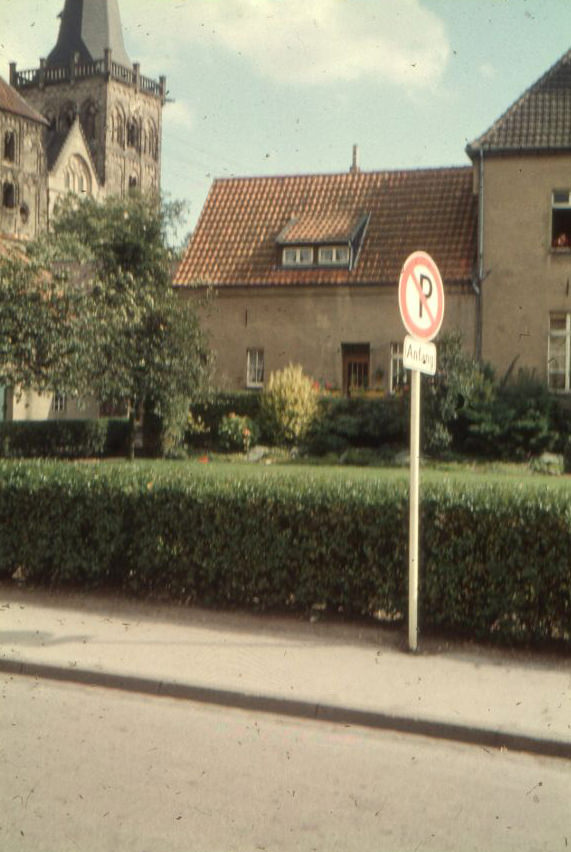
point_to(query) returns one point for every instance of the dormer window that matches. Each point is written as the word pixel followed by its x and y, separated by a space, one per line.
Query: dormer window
pixel 334 256
pixel 298 256
pixel 561 219
pixel 331 238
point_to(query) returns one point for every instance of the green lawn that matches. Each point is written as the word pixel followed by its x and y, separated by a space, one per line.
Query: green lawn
pixel 475 473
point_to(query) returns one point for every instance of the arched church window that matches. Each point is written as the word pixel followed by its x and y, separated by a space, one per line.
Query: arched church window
pixel 152 140
pixel 133 135
pixel 133 184
pixel 88 116
pixel 118 127
pixel 24 213
pixel 9 195
pixel 67 117
pixel 10 146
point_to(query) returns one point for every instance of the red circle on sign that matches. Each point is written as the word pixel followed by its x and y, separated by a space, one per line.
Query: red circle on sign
pixel 422 312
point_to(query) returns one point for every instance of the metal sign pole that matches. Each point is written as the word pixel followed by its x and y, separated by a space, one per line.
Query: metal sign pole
pixel 413 507
pixel 421 305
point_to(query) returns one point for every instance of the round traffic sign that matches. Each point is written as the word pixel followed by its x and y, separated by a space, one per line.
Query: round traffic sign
pixel 421 296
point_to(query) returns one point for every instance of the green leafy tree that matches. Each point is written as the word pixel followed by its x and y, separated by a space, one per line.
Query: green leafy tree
pixel 138 341
pixel 458 379
pixel 40 343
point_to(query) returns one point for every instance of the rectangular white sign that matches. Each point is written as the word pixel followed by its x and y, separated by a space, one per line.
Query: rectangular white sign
pixel 418 355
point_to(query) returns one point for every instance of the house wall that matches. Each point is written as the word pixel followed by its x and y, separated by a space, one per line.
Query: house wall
pixel 526 278
pixel 30 405
pixel 309 326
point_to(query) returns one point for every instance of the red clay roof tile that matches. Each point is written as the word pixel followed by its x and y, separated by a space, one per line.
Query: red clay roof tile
pixel 236 240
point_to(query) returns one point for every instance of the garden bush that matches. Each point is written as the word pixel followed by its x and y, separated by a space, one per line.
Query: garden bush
pixel 495 559
pixel 288 405
pixel 517 421
pixel 236 433
pixel 352 422
pixel 62 438
pixel 205 417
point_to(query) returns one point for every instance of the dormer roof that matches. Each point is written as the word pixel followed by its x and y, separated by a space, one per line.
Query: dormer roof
pixel 88 28
pixel 246 223
pixel 539 121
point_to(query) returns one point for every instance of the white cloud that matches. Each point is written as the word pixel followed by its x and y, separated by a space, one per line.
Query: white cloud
pixel 307 41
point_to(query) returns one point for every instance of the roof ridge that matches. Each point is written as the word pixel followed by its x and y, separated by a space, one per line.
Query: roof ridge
pixel 477 143
pixel 346 174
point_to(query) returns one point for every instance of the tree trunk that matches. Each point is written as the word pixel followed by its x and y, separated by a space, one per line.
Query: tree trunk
pixel 131 435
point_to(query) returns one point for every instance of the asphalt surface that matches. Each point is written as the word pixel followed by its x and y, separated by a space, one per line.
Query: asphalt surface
pixel 358 674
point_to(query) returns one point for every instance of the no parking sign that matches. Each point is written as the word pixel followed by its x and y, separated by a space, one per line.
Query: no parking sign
pixel 421 296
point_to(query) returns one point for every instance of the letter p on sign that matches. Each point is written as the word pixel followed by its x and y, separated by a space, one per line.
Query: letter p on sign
pixel 421 296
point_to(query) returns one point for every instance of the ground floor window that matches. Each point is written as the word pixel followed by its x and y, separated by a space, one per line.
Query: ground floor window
pixel 398 376
pixel 59 403
pixel 356 367
pixel 255 368
pixel 559 352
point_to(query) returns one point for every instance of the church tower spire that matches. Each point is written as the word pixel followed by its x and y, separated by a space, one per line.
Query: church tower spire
pixel 88 28
pixel 89 80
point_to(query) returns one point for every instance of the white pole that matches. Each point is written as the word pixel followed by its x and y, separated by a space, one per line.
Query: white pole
pixel 413 501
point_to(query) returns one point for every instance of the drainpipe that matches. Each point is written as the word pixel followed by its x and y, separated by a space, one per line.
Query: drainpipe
pixel 479 279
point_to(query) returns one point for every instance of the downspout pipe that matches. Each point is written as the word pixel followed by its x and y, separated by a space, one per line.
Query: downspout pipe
pixel 479 279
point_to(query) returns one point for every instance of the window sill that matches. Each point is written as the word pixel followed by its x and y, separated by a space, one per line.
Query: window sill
pixel 560 250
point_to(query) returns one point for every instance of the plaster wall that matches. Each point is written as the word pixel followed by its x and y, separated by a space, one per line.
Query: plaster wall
pixel 30 405
pixel 526 278
pixel 309 326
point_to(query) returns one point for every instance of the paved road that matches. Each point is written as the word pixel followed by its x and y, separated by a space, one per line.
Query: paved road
pixel 95 770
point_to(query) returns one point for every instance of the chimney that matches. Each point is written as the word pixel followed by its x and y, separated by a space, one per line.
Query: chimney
pixel 355 164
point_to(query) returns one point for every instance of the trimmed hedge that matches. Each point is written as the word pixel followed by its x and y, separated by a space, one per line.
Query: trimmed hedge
pixel 495 560
pixel 62 438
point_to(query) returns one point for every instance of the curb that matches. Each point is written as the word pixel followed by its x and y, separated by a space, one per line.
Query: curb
pixel 333 713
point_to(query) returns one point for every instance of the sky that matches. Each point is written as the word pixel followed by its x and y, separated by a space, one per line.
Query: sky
pixel 272 87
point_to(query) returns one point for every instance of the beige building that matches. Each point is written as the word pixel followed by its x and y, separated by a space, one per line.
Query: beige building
pixel 306 268
pixel 85 121
pixel 522 178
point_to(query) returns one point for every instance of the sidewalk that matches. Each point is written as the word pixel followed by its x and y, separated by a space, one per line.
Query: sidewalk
pixel 346 673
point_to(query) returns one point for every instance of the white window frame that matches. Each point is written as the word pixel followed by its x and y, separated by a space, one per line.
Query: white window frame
pixel 334 255
pixel 297 256
pixel 59 403
pixel 398 374
pixel 255 368
pixel 561 200
pixel 558 334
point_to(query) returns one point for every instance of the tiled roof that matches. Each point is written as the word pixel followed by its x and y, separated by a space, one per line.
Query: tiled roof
pixel 11 101
pixel 235 241
pixel 540 120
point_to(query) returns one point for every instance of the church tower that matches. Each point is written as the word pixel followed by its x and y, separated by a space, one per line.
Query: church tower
pixel 104 118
